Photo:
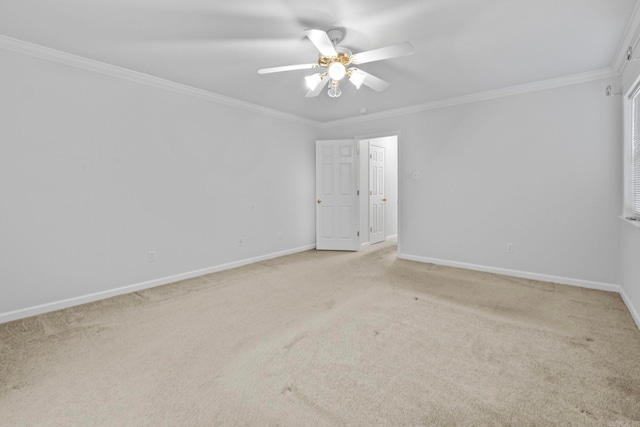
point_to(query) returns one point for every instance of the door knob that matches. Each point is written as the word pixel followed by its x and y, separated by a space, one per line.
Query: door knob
pixel 319 201
pixel 384 199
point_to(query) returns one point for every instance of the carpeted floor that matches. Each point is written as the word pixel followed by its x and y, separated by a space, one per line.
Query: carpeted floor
pixel 329 338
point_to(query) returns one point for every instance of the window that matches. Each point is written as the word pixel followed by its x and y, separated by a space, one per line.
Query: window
pixel 634 156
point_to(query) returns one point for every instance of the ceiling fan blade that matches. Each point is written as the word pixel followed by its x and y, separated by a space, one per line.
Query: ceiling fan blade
pixel 374 82
pixel 394 51
pixel 319 87
pixel 287 68
pixel 321 40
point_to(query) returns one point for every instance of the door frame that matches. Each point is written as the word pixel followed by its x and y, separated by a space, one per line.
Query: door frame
pixel 398 135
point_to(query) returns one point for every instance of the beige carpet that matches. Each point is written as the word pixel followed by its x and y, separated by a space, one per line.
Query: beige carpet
pixel 326 338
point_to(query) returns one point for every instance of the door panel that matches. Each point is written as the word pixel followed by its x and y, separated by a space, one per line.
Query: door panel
pixel 337 195
pixel 376 193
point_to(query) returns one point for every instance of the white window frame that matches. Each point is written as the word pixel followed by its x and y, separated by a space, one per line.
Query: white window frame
pixel 631 184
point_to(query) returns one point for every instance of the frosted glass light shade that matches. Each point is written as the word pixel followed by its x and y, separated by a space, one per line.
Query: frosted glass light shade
pixel 313 80
pixel 334 91
pixel 337 71
pixel 357 78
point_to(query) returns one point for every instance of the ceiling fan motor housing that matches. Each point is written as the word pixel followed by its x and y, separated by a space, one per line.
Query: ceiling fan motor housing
pixel 344 57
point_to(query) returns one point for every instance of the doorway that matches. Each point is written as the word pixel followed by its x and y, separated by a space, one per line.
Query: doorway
pixel 356 192
pixel 378 179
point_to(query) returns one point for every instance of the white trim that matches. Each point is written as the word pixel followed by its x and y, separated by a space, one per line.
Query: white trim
pixel 627 167
pixel 53 55
pixel 626 152
pixel 70 302
pixel 634 314
pixel 632 223
pixel 477 97
pixel 534 276
pixel 630 38
pixel 516 273
pixel 49 54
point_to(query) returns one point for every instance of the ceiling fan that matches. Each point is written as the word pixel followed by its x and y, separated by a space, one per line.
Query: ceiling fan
pixel 336 60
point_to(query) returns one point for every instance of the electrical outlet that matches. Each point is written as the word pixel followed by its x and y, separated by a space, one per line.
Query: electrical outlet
pixel 151 256
pixel 280 235
pixel 510 248
pixel 240 241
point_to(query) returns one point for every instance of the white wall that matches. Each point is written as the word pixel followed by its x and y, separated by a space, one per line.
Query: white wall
pixel 390 143
pixel 630 235
pixel 97 171
pixel 540 170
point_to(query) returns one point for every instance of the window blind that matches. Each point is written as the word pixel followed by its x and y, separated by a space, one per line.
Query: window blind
pixel 635 154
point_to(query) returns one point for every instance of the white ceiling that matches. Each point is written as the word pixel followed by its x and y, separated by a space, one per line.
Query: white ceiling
pixel 462 47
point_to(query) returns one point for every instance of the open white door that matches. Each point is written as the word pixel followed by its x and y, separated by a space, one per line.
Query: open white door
pixel 337 205
pixel 377 200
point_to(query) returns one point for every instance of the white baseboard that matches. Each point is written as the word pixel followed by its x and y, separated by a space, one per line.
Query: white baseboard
pixel 58 305
pixel 535 276
pixel 632 309
pixel 516 273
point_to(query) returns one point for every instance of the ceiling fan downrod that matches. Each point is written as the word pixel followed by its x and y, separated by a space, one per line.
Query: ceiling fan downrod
pixel 335 35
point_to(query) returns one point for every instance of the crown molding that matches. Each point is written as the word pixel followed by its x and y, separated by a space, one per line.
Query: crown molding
pixel 481 96
pixel 630 38
pixel 42 52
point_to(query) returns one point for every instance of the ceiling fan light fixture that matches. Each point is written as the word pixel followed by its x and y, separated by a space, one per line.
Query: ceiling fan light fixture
pixel 334 61
pixel 334 90
pixel 313 80
pixel 337 71
pixel 356 77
